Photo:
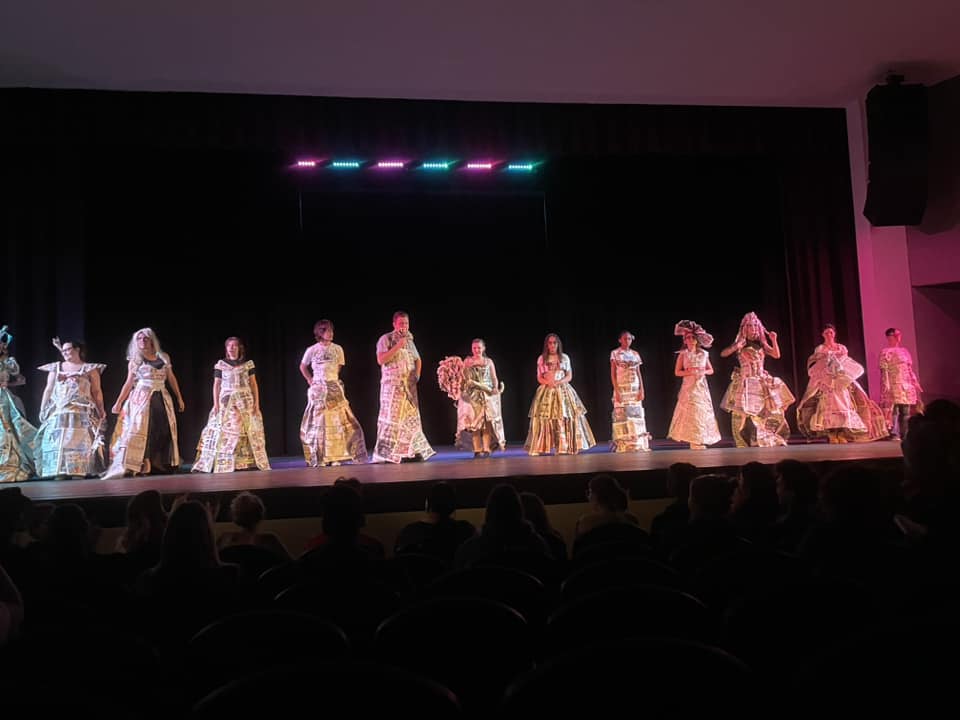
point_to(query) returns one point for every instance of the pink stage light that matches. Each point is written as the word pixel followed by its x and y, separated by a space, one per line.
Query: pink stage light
pixel 479 166
pixel 306 163
pixel 391 164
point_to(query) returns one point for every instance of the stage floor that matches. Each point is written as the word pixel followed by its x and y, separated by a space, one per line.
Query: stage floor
pixel 291 490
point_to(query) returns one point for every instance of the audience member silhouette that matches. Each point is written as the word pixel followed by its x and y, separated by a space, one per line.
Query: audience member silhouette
pixel 247 512
pixel 439 533
pixel 536 514
pixel 504 531
pixel 671 523
pixel 609 504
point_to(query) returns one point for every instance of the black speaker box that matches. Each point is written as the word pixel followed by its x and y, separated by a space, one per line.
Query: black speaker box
pixel 897 149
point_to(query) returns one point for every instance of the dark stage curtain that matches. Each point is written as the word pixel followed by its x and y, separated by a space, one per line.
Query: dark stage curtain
pixel 177 211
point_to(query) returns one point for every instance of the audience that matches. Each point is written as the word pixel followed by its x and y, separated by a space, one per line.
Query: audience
pixel 505 530
pixel 439 533
pixel 855 524
pixel 247 512
pixel 608 505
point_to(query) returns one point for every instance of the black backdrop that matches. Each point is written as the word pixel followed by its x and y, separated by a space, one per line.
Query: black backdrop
pixel 180 212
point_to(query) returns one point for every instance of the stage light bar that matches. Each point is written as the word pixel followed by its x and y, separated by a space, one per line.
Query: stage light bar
pixel 434 165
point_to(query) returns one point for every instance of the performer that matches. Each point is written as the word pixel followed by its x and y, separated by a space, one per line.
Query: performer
pixel 693 419
pixel 145 438
pixel 629 423
pixel 900 394
pixel 558 419
pixel 755 395
pixel 233 437
pixel 329 431
pixel 399 431
pixel 473 383
pixel 834 404
pixel 70 439
pixel 17 436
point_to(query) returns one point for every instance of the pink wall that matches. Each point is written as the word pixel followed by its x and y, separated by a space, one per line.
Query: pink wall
pixel 886 297
pixel 938 330
pixel 934 251
pixel 934 259
pixel 899 265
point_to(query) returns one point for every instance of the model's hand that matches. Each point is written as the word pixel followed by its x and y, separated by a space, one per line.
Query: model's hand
pixel 216 409
pixel 180 405
pixel 772 335
pixel 116 408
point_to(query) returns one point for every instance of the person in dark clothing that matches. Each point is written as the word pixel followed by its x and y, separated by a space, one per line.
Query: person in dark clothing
pixel 439 533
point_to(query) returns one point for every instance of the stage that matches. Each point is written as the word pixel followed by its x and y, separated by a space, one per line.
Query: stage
pixel 290 490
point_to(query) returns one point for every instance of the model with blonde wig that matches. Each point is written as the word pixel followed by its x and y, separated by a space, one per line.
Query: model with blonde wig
pixel 756 400
pixel 145 437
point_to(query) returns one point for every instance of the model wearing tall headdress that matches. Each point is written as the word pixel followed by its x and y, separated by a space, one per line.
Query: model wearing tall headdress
pixel 329 431
pixel 472 383
pixel 754 394
pixel 399 430
pixel 558 419
pixel 17 436
pixel 693 419
pixel 145 437
pixel 233 438
pixel 70 439
pixel 834 404
pixel 629 422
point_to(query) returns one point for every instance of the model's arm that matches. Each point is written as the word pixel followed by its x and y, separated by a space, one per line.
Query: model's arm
pixel 773 347
pixel 385 357
pixel 568 375
pixel 495 390
pixel 708 368
pixel 96 391
pixel 175 386
pixel 217 382
pixel 48 391
pixel 641 395
pixel 731 349
pixel 125 390
pixel 305 371
pixel 678 368
pixel 418 365
pixel 544 375
pixel 613 380
pixel 886 387
pixel 255 391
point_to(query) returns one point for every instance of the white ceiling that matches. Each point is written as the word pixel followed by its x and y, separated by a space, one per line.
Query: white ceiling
pixel 731 52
